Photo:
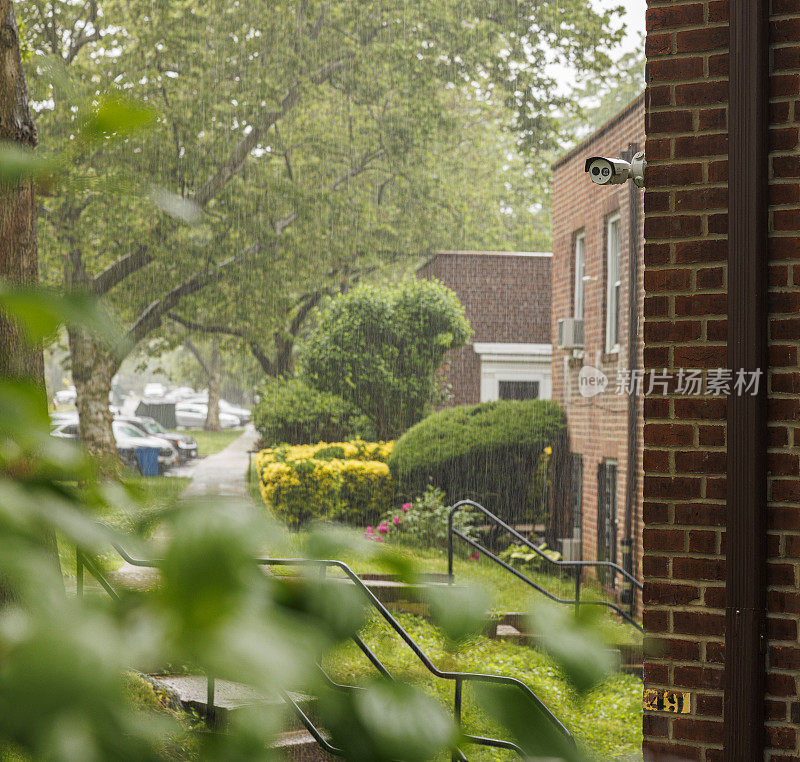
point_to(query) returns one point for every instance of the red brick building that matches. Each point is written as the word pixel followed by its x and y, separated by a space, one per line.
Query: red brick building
pixel 506 295
pixel 722 289
pixel 596 306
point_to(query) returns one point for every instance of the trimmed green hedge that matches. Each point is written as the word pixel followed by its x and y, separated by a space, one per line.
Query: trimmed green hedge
pixel 291 412
pixel 495 453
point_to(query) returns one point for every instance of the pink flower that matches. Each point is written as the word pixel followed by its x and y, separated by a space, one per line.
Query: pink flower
pixel 475 556
pixel 369 530
pixel 404 507
pixel 396 520
pixel 384 527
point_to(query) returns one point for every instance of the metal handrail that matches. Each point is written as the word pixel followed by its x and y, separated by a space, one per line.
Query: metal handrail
pixel 459 678
pixel 628 616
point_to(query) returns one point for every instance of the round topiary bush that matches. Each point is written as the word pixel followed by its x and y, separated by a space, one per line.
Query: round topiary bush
pixel 496 453
pixel 291 412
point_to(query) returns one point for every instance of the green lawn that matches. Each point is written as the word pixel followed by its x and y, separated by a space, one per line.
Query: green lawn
pixel 607 721
pixel 210 442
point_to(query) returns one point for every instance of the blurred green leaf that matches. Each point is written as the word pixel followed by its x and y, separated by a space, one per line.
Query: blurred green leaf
pixel 41 312
pixel 176 206
pixel 337 604
pixel 116 117
pixel 18 164
pixel 533 731
pixel 389 721
pixel 574 642
pixel 460 611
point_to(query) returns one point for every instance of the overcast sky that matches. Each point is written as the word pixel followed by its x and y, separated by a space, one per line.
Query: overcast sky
pixel 634 19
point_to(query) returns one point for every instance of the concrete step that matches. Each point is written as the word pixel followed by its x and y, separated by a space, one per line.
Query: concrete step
pixel 192 693
pixel 300 746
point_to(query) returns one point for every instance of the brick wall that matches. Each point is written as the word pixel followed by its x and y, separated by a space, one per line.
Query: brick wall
pixel 685 326
pixel 598 427
pixel 506 296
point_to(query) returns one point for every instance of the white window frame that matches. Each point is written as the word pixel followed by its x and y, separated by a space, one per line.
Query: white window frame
pixel 613 284
pixel 580 271
pixel 514 362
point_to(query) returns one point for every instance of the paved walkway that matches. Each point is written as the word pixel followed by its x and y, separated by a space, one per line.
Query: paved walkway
pixel 225 472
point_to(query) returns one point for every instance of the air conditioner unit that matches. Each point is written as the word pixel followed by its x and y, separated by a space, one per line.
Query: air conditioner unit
pixel 570 333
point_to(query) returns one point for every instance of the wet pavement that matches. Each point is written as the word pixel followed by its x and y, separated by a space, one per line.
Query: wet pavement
pixel 224 473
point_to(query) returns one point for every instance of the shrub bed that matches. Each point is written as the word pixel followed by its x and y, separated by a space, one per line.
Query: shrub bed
pixel 496 453
pixel 347 482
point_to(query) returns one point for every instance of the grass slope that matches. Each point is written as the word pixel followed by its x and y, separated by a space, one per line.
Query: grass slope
pixel 607 721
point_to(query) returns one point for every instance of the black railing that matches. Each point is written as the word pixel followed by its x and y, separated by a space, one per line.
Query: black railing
pixel 458 678
pixel 576 566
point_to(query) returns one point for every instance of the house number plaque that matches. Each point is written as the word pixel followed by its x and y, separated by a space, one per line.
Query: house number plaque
pixel 660 700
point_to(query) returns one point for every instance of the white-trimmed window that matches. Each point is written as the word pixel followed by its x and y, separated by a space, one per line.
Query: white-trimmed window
pixel 580 271
pixel 612 283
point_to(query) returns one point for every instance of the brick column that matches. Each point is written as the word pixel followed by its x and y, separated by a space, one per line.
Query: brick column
pixel 686 326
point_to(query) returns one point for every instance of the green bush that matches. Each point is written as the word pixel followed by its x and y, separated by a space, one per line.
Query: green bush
pixel 380 348
pixel 290 412
pixel 422 523
pixel 496 453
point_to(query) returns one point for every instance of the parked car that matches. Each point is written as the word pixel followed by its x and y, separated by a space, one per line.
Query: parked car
pixel 201 398
pixel 68 416
pixel 65 429
pixel 242 413
pixel 66 396
pixel 184 445
pixel 154 389
pixel 192 415
pixel 129 436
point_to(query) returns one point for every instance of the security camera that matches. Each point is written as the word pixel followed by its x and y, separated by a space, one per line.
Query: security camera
pixel 603 171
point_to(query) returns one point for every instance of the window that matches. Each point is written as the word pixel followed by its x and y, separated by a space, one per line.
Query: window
pixel 580 271
pixel 519 390
pixel 612 284
pixel 606 517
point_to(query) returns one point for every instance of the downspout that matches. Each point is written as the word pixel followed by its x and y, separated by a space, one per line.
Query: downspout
pixel 745 539
pixel 631 477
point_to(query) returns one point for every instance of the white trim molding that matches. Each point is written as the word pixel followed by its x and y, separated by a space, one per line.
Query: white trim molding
pixel 514 362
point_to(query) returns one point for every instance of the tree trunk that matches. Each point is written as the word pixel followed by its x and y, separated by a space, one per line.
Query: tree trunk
pixel 92 371
pixel 19 254
pixel 19 259
pixel 214 374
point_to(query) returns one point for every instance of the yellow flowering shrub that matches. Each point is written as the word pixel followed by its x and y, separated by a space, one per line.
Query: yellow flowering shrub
pixel 340 481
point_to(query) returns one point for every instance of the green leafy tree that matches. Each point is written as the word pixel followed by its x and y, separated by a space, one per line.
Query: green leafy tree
pixel 380 347
pixel 292 149
pixel 603 97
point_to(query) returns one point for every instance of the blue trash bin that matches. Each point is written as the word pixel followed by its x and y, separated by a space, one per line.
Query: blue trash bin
pixel 148 460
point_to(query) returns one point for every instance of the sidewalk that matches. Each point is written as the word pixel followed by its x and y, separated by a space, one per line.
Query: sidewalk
pixel 225 472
